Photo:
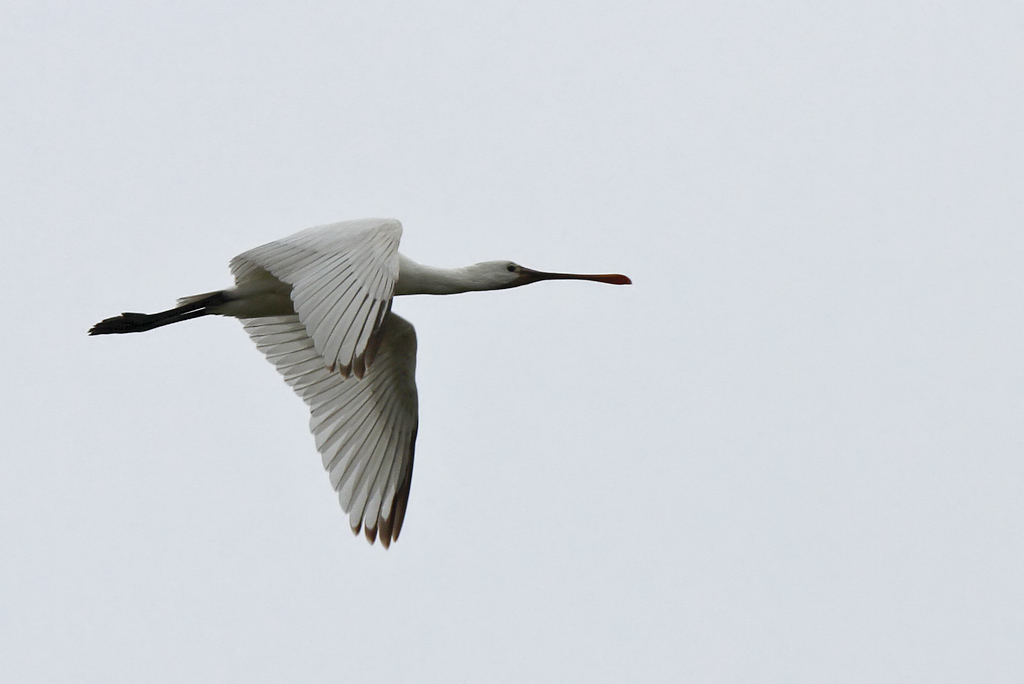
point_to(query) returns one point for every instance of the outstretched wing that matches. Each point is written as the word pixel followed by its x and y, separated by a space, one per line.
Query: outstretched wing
pixel 343 277
pixel 365 428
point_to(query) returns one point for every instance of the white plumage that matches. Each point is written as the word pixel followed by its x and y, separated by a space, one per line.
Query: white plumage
pixel 318 305
pixel 342 278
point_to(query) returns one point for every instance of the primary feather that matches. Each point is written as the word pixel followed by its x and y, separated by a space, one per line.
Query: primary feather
pixel 365 429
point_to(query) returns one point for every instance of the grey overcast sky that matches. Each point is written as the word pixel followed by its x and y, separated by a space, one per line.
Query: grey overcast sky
pixel 792 451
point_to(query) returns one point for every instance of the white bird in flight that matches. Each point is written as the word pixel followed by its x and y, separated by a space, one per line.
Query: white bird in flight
pixel 318 305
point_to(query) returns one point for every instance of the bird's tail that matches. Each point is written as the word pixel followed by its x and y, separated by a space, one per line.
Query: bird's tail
pixel 188 307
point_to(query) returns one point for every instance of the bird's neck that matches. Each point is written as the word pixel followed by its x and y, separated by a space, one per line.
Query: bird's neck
pixel 416 278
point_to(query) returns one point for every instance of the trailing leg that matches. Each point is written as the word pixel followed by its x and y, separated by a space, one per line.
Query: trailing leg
pixel 140 322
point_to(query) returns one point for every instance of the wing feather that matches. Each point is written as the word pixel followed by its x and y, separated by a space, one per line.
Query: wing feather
pixel 380 434
pixel 365 428
pixel 342 278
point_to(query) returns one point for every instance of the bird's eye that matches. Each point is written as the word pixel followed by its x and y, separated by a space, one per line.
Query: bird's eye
pixel 511 268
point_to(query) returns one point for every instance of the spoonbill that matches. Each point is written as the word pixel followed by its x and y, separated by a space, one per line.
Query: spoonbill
pixel 318 305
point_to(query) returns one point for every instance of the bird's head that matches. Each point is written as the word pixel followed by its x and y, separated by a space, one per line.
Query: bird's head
pixel 499 275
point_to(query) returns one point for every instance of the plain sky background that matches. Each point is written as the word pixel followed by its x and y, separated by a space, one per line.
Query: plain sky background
pixel 792 451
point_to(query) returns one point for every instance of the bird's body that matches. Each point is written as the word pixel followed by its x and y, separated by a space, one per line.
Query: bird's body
pixel 318 305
